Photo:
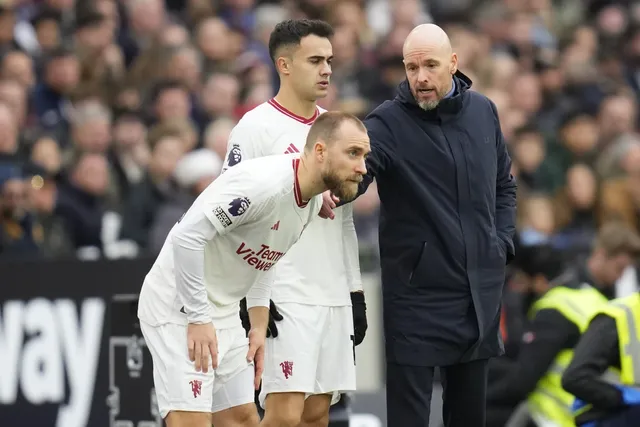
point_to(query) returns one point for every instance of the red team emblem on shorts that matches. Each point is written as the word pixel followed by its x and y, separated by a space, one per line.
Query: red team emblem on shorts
pixel 287 368
pixel 196 387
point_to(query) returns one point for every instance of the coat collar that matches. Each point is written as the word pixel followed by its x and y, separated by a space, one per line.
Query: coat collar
pixel 447 106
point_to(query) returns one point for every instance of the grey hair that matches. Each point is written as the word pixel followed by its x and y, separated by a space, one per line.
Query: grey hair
pixel 268 16
pixel 217 125
pixel 132 5
pixel 609 163
pixel 88 112
pixel 188 48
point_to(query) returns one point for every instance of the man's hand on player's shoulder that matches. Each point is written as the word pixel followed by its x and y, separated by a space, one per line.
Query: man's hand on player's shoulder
pixel 257 338
pixel 359 308
pixel 202 345
pixel 328 205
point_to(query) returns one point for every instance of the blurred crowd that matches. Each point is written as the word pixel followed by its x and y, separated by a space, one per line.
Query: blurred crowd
pixel 115 114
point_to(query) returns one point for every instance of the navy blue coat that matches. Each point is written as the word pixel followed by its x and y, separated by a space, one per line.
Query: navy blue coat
pixel 447 222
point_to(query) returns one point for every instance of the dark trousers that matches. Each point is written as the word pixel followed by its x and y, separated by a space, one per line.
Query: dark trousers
pixel 464 395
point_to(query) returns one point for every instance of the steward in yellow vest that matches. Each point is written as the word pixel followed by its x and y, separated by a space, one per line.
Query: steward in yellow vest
pixel 557 321
pixel 549 404
pixel 604 375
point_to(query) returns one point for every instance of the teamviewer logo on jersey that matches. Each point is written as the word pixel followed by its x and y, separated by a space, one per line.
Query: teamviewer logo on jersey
pixel 262 259
pixel 235 155
pixel 239 206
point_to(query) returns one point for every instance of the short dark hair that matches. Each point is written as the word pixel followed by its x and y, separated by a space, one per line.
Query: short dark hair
pixel 527 129
pixel 166 85
pixel 543 260
pixel 327 124
pixel 89 19
pixel 292 31
pixel 173 128
pixel 60 52
pixel 46 14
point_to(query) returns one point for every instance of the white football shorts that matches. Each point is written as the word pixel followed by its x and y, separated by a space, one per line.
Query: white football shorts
pixel 314 352
pixel 179 387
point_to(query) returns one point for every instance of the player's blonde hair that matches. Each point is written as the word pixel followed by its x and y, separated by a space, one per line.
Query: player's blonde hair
pixel 326 126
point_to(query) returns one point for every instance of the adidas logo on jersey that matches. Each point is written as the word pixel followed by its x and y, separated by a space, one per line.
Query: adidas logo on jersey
pixel 276 226
pixel 291 149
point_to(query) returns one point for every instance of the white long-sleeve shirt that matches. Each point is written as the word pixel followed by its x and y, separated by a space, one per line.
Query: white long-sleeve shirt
pixel 323 267
pixel 228 240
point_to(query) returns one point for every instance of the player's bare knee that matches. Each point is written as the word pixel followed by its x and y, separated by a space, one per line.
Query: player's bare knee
pixel 239 416
pixel 315 420
pixel 283 409
pixel 285 417
pixel 316 411
pixel 246 415
pixel 188 419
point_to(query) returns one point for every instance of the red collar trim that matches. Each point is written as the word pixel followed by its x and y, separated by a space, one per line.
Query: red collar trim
pixel 296 185
pixel 295 117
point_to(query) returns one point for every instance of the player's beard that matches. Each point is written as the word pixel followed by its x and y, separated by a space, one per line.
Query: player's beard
pixel 344 190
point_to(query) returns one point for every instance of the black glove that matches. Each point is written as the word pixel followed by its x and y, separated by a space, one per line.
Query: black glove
pixel 359 308
pixel 274 316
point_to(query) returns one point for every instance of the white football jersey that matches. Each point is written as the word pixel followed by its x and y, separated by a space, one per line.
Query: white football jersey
pixel 257 214
pixel 323 267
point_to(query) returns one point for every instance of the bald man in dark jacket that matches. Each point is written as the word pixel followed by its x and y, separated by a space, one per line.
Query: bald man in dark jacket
pixel 447 222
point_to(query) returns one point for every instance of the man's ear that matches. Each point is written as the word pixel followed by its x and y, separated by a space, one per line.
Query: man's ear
pixel 320 149
pixel 454 64
pixel 282 65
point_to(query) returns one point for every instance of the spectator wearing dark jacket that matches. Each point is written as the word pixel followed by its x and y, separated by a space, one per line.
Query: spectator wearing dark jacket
pixel 21 235
pixel 156 188
pixel 80 201
pixel 194 172
pixel 447 221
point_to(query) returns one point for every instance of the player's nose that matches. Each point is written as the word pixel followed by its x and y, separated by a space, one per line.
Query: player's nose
pixel 326 70
pixel 361 167
pixel 423 75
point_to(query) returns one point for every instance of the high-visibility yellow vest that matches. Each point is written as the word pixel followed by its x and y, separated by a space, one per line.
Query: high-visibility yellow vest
pixel 549 401
pixel 626 312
